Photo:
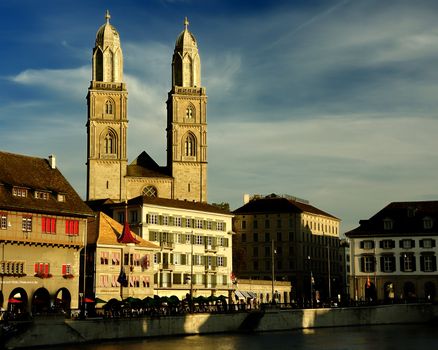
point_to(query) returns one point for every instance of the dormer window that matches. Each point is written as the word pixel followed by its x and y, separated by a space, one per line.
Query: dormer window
pixel 19 192
pixel 427 223
pixel 61 197
pixel 41 195
pixel 388 224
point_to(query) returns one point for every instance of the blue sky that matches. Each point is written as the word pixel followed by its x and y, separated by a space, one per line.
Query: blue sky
pixel 331 101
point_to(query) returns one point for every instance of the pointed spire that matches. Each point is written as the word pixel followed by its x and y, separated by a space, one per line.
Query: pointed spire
pixel 107 16
pixel 126 236
pixel 186 23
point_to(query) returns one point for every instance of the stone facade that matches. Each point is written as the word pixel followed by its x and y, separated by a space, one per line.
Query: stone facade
pixel 108 172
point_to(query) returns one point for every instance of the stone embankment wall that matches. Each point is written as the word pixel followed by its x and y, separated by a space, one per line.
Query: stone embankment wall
pixel 53 331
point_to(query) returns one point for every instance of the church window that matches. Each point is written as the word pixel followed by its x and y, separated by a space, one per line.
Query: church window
pixel 108 107
pixel 190 146
pixel 189 113
pixel 109 144
pixel 149 191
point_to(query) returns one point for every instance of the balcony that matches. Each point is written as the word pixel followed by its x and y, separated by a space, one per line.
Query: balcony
pixel 210 248
pixel 167 245
pixel 210 268
pixel 167 266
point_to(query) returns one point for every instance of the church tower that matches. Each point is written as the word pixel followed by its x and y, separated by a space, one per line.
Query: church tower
pixel 107 118
pixel 186 122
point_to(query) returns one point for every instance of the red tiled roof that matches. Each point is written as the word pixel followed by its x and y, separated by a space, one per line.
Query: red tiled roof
pixel 36 174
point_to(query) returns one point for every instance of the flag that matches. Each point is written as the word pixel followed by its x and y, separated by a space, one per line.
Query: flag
pixel 122 278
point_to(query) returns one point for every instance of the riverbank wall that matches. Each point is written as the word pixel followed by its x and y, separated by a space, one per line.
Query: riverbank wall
pixel 43 332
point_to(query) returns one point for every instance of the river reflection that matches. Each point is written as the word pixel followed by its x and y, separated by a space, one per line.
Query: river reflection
pixel 403 337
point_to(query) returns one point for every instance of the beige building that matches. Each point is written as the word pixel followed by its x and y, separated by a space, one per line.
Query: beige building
pixel 393 254
pixel 119 263
pixel 108 173
pixel 286 238
pixel 182 230
pixel 43 223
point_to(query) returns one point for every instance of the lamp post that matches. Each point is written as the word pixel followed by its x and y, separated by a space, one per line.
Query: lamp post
pixel 273 269
pixel 311 280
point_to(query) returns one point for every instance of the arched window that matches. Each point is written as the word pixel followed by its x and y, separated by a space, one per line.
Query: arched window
pixel 190 146
pixel 189 113
pixel 109 144
pixel 149 191
pixel 108 107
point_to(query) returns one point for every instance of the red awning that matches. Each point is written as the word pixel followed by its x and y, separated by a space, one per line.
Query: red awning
pixel 88 300
pixel 14 301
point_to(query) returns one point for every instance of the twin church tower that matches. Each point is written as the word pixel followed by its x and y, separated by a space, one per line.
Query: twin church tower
pixel 108 173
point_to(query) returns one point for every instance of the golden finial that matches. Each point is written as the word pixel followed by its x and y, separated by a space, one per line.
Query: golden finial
pixel 107 16
pixel 186 23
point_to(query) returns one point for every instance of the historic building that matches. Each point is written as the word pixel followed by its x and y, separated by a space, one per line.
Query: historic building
pixel 108 173
pixel 194 240
pixel 43 224
pixel 287 239
pixel 119 263
pixel 393 254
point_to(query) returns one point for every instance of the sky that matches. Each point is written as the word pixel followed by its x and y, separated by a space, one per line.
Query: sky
pixel 331 101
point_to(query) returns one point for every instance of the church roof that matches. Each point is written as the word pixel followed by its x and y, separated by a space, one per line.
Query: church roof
pixel 185 38
pixel 276 204
pixel 105 230
pixel 107 34
pixel 37 176
pixel 145 166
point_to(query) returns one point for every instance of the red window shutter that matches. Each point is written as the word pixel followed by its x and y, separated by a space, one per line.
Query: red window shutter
pixel 43 224
pixel 36 265
pixel 76 231
pixel 53 224
pixel 64 269
pixel 41 268
pixel 66 226
pixel 46 269
pixel 72 227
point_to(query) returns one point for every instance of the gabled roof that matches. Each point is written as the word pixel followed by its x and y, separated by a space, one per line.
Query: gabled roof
pixel 275 204
pixel 178 204
pixel 107 231
pixel 407 218
pixel 145 166
pixel 36 174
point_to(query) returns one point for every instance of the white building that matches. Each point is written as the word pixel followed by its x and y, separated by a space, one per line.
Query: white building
pixel 184 229
pixel 393 254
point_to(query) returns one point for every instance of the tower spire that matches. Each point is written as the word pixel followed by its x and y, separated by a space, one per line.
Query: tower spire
pixel 107 16
pixel 186 23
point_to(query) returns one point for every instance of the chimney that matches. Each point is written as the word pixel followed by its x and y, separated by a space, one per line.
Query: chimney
pixel 52 161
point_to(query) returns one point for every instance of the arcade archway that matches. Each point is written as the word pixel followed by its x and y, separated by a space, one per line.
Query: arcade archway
pixel 41 301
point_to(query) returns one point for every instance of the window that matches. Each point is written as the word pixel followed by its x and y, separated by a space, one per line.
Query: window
pixel 387 263
pixel 427 243
pixel 388 224
pixel 42 269
pixel 255 252
pixel 243 237
pixel 189 113
pixel 220 226
pixel 104 258
pixel 428 262
pixel 199 240
pixel 19 192
pixel 255 237
pixel 66 270
pixel 267 251
pixel 149 191
pixel 121 216
pixel 41 195
pixel 407 262
pixel 108 107
pixel 177 221
pixel 407 243
pixel 221 261
pixel 153 219
pixel 279 223
pixel 267 223
pixel 367 244
pixel 188 240
pixel 427 223
pixel 267 237
pixel 12 268
pixel 387 244
pixel 243 226
pixel 279 238
pixel 198 223
pixel 255 224
pixel 367 263
pixel 190 146
pixel 133 216
pixel 115 259
pixel 3 221
pixel 188 222
pixel 27 223
pixel 209 225
pixel 109 144
pixel 48 225
pixel 165 220
pixel 61 197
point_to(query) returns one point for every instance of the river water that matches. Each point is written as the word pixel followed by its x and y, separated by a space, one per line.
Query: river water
pixel 400 337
